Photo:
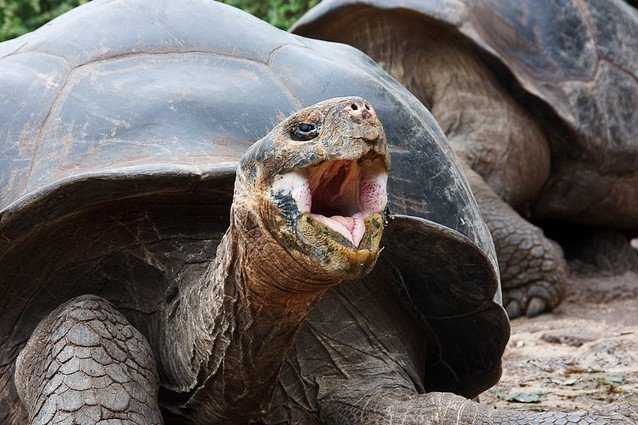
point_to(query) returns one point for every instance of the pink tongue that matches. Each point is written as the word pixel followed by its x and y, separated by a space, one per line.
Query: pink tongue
pixel 347 222
pixel 352 228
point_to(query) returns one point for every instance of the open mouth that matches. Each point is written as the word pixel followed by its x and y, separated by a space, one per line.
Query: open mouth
pixel 339 194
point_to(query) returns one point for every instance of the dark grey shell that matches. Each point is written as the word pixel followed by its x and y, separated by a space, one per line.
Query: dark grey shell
pixel 122 124
pixel 574 61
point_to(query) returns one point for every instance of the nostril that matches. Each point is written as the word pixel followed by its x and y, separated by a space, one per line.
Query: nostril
pixel 354 107
pixel 367 106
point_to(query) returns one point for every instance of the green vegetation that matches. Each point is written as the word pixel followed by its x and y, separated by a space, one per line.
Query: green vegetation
pixel 20 16
pixel 280 13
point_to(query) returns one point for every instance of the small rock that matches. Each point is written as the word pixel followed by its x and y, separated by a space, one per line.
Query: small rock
pixel 567 339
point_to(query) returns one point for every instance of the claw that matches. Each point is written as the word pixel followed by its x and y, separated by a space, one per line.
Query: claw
pixel 535 307
pixel 513 309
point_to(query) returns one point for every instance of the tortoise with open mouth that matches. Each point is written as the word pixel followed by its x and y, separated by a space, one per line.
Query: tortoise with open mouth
pixel 156 263
pixel 539 101
pixel 159 264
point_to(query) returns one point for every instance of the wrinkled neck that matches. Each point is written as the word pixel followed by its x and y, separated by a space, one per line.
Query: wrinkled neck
pixel 245 315
pixel 274 280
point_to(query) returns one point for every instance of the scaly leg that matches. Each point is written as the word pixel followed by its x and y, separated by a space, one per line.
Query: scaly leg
pixel 85 364
pixel 533 270
pixel 448 409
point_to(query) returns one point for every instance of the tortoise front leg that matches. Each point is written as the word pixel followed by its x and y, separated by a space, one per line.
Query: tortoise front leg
pixel 447 409
pixel 533 270
pixel 85 364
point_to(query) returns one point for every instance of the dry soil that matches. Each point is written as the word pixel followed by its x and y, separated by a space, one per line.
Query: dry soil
pixel 584 354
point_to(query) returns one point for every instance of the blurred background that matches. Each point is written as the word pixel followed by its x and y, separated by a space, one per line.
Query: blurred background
pixel 20 16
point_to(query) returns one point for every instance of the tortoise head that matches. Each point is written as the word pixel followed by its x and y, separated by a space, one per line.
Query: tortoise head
pixel 317 184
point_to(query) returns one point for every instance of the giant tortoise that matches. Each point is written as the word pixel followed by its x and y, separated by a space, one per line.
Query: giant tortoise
pixel 136 289
pixel 539 101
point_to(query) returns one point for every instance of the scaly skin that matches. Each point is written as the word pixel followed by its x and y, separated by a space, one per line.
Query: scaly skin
pixel 84 364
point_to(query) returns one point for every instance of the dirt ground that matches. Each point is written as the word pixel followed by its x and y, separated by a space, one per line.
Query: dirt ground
pixel 584 354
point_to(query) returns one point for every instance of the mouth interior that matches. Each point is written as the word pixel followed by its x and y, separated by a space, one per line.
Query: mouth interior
pixel 339 194
pixel 335 188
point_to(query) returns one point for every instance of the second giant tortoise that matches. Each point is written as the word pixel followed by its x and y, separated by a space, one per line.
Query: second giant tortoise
pixel 138 286
pixel 538 99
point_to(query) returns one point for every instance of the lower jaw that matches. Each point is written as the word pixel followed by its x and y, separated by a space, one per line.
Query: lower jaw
pixel 337 252
pixel 356 222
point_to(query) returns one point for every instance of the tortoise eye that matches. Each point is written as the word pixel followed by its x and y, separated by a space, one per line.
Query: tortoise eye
pixel 304 131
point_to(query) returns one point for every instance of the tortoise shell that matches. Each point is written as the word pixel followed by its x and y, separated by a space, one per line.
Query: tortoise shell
pixel 123 122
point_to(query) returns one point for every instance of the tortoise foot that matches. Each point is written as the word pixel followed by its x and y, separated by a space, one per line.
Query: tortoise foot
pixel 86 364
pixel 533 271
pixel 522 301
